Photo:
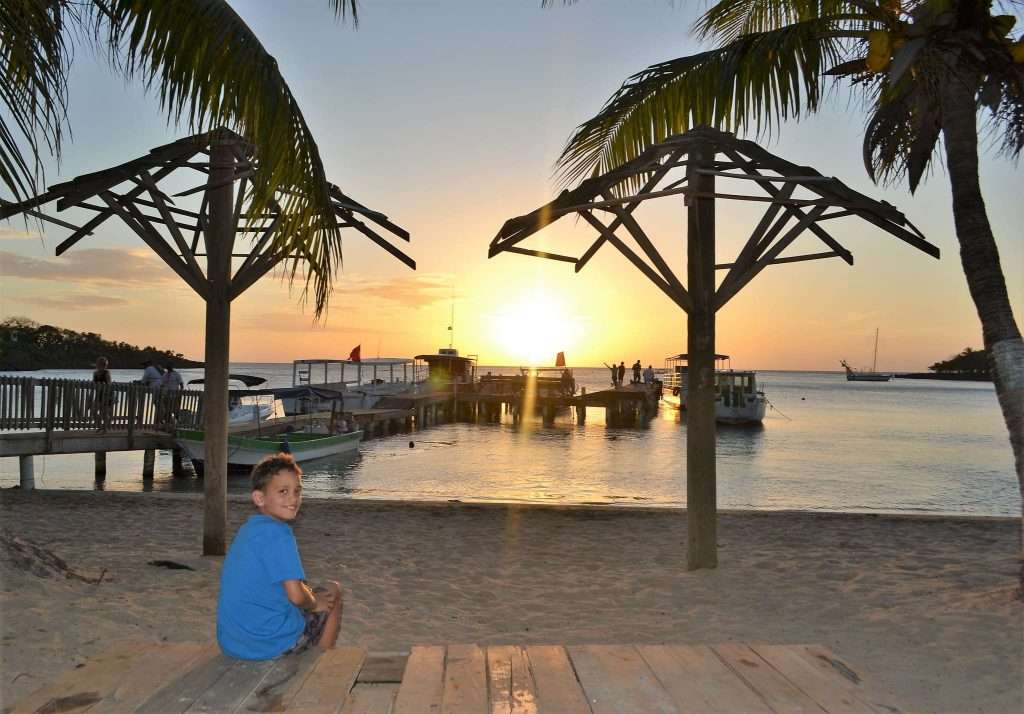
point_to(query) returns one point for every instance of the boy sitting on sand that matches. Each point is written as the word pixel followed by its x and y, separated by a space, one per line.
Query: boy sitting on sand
pixel 265 607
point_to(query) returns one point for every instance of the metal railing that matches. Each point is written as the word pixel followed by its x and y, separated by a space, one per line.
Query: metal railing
pixel 29 403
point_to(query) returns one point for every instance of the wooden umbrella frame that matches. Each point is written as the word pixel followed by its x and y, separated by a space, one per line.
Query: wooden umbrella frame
pixel 131 192
pixel 607 203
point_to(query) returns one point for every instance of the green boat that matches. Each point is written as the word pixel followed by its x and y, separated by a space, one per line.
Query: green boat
pixel 246 451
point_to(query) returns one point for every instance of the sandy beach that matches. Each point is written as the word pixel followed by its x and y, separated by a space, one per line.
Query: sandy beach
pixel 923 607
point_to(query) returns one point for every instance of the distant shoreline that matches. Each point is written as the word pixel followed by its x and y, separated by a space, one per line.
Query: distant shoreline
pixel 944 377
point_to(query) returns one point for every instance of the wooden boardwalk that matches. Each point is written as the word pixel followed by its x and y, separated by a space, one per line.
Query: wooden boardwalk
pixel 454 679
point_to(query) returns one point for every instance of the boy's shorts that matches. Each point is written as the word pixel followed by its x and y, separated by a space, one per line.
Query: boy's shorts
pixel 315 622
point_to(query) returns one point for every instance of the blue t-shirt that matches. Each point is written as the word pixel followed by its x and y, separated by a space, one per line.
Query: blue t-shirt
pixel 255 619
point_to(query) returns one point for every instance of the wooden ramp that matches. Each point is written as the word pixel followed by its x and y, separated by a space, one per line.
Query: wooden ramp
pixel 458 679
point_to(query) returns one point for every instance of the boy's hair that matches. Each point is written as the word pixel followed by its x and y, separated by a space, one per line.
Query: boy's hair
pixel 264 471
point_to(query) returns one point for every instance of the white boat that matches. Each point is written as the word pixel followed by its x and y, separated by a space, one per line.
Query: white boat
pixel 362 383
pixel 246 406
pixel 738 397
pixel 247 451
pixel 864 375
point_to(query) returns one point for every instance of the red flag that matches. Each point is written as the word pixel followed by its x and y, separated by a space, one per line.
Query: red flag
pixel 354 354
pixel 560 359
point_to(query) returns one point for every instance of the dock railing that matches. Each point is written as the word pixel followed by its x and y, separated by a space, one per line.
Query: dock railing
pixel 33 404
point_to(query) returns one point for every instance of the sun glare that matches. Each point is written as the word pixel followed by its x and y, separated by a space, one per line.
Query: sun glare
pixel 534 329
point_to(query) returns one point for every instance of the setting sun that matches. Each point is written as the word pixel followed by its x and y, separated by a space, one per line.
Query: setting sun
pixel 535 328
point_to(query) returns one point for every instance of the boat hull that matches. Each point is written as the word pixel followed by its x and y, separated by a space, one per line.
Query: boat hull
pixel 248 451
pixel 868 377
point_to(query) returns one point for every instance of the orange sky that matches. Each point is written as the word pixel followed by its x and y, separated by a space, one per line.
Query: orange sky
pixel 450 121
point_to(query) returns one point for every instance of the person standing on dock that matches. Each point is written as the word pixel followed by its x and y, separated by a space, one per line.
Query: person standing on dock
pixel 622 373
pixel 152 377
pixel 104 396
pixel 636 372
pixel 649 375
pixel 615 373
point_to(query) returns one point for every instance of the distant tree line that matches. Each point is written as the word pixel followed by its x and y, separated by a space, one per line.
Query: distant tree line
pixel 969 363
pixel 26 345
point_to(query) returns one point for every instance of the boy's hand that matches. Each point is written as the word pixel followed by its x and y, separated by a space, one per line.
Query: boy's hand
pixel 327 596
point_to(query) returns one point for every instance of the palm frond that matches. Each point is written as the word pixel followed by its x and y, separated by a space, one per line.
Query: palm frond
pixel 759 79
pixel 728 20
pixel 342 9
pixel 34 65
pixel 208 67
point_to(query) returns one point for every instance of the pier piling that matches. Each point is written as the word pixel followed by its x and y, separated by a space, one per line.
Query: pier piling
pixel 101 466
pixel 26 473
pixel 148 464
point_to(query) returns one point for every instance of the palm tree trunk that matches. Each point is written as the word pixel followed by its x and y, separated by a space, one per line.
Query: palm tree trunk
pixel 980 259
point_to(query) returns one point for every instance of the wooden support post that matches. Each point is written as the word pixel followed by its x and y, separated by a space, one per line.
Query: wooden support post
pixel 177 466
pixel 148 463
pixel 549 414
pixel 26 472
pixel 220 236
pixel 101 466
pixel 701 498
pixel 581 408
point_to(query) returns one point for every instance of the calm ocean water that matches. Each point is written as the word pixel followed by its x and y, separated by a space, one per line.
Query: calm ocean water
pixel 907 446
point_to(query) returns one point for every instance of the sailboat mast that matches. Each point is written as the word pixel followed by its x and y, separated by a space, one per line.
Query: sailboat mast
pixel 874 361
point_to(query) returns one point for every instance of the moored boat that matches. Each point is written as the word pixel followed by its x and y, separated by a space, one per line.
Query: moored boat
pixel 246 450
pixel 362 382
pixel 866 375
pixel 739 398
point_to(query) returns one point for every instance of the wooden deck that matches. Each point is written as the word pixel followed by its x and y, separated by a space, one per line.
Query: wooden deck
pixel 451 679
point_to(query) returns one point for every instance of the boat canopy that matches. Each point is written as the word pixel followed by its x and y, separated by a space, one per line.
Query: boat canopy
pixel 687 357
pixel 246 379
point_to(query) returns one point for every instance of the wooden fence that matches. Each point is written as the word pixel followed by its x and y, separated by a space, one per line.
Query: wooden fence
pixel 28 403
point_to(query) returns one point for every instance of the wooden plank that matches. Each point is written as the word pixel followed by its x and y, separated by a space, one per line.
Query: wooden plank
pixel 847 678
pixel 178 695
pixel 698 681
pixel 780 694
pixel 510 682
pixel 383 667
pixel 330 681
pixel 279 687
pixel 151 671
pixel 233 688
pixel 465 681
pixel 833 692
pixel 367 698
pixel 82 687
pixel 616 679
pixel 556 685
pixel 422 688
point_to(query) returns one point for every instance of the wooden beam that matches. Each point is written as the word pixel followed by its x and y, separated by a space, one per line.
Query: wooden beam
pixel 541 254
pixel 762 177
pixel 369 233
pixel 219 244
pixel 817 230
pixel 680 299
pixel 725 295
pixel 129 214
pixel 630 224
pixel 172 226
pixel 98 219
pixel 701 478
pixel 766 229
pixel 629 208
pixel 793 259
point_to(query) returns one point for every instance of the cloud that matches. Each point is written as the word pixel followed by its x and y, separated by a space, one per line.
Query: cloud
pixel 411 291
pixel 288 322
pixel 96 266
pixel 73 301
pixel 9 233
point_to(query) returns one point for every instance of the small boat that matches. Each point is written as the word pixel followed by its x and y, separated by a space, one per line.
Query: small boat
pixel 738 397
pixel 863 375
pixel 362 382
pixel 253 409
pixel 246 451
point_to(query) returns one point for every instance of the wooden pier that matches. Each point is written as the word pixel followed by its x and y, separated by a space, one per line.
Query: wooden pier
pixel 64 416
pixel 465 678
